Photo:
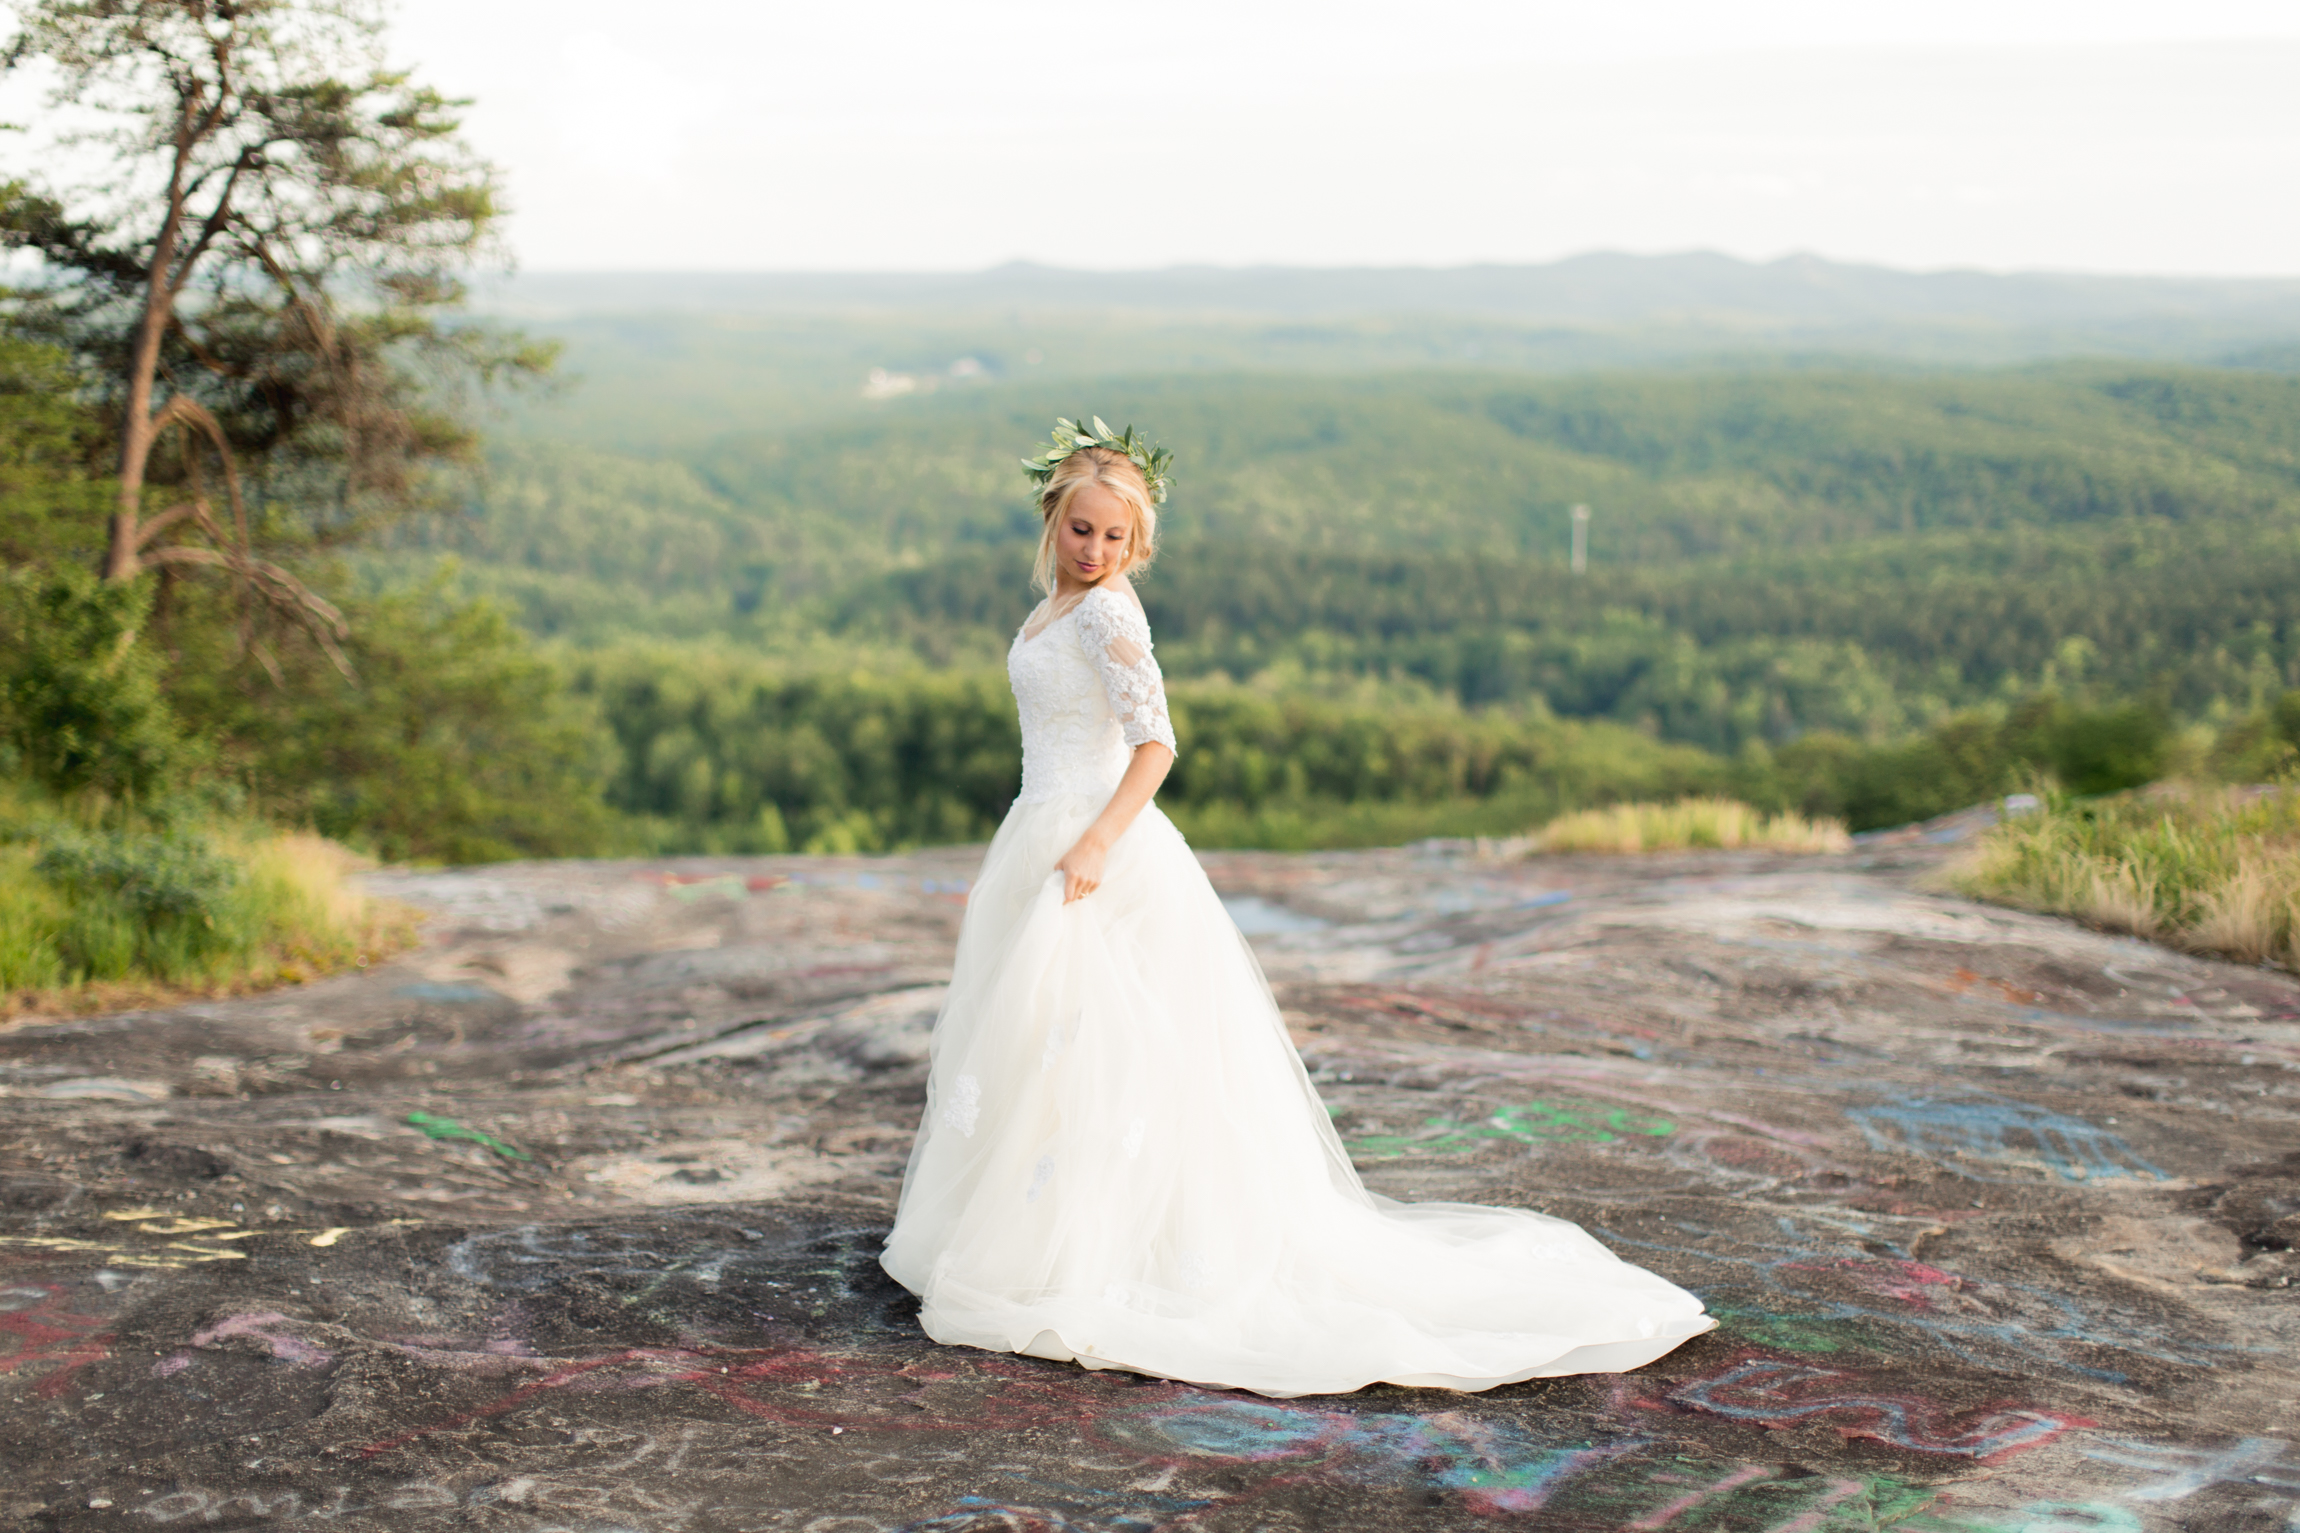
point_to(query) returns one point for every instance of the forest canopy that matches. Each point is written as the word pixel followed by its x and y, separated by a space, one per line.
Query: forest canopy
pixel 1772 553
pixel 722 592
pixel 1873 595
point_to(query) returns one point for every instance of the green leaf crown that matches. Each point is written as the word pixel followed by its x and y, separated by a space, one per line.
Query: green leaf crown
pixel 1069 437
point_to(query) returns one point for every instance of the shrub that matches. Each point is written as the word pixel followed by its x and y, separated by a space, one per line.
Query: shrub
pixel 108 917
pixel 457 742
pixel 2262 746
pixel 161 904
pixel 1964 759
pixel 2216 870
pixel 80 699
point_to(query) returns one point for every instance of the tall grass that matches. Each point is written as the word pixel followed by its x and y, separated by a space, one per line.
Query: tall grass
pixel 102 919
pixel 1688 824
pixel 2213 870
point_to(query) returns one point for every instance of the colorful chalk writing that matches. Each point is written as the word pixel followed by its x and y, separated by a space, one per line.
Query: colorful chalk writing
pixel 447 1128
pixel 2042 1517
pixel 1562 1122
pixel 1912 1283
pixel 1072 1510
pixel 1494 1465
pixel 1694 1494
pixel 1790 1333
pixel 447 994
pixel 1772 1392
pixel 2038 1324
pixel 273 1330
pixel 2184 1471
pixel 601 1494
pixel 2005 1132
pixel 1701 1495
pixel 42 1334
pixel 1491 1466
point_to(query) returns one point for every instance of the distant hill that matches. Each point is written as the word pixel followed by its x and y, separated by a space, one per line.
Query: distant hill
pixel 1712 300
pixel 1772 552
pixel 667 362
pixel 1827 496
pixel 1601 287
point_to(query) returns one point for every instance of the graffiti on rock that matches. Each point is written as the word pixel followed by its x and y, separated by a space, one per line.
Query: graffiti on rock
pixel 1913 1283
pixel 1494 1465
pixel 607 1361
pixel 1723 1485
pixel 1689 1495
pixel 2004 1132
pixel 436 1127
pixel 2183 1471
pixel 2064 1517
pixel 40 1332
pixel 268 1327
pixel 799 1386
pixel 1802 1308
pixel 1758 1161
pixel 1771 1392
pixel 1491 1466
pixel 802 1277
pixel 601 1490
pixel 1534 1123
pixel 1071 1511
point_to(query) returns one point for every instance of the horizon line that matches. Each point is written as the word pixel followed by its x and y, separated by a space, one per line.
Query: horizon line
pixel 1027 264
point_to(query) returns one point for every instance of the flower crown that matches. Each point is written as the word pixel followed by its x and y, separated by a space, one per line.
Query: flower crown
pixel 1069 437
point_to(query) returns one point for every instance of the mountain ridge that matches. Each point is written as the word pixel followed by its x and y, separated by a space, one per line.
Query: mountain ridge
pixel 1599 286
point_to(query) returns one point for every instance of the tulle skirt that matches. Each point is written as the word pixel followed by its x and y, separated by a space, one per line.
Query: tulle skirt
pixel 1123 1163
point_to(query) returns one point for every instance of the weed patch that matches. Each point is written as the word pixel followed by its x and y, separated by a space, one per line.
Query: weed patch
pixel 95 919
pixel 2213 870
pixel 1689 824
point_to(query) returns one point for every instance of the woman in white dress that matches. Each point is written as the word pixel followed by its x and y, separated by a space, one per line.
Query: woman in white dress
pixel 1122 1160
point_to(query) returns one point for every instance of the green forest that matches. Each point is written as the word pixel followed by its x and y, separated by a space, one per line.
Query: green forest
pixel 302 532
pixel 1771 553
pixel 1861 592
pixel 1872 593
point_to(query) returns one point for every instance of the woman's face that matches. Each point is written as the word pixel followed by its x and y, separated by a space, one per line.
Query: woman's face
pixel 1090 539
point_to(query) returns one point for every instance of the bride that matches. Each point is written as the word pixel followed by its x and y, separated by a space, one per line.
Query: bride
pixel 1122 1160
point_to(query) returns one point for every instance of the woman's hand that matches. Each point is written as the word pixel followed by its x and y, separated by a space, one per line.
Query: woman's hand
pixel 1081 868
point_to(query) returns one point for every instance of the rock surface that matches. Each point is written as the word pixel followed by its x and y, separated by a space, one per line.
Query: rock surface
pixel 568 1219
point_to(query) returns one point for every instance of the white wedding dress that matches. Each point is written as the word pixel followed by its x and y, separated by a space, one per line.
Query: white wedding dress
pixel 1122 1160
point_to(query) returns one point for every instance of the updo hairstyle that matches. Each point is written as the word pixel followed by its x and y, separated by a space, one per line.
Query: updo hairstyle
pixel 1115 472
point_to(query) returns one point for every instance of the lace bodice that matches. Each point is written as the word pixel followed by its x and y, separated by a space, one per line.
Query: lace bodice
pixel 1088 691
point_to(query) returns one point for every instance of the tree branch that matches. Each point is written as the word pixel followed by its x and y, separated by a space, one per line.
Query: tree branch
pixel 218 219
pixel 201 354
pixel 189 511
pixel 314 613
pixel 322 331
pixel 183 409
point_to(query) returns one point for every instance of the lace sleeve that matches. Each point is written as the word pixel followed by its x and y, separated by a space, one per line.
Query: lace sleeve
pixel 1117 639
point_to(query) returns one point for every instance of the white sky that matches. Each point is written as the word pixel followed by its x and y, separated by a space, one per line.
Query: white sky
pixel 2094 135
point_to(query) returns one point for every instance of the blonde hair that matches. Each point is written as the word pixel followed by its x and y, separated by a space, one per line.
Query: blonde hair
pixel 1115 472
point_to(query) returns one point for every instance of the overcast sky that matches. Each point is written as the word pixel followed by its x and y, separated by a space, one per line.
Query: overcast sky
pixel 2090 135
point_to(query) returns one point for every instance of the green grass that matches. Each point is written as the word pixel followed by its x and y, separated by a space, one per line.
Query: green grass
pixel 2213 870
pixel 100 919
